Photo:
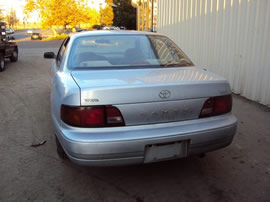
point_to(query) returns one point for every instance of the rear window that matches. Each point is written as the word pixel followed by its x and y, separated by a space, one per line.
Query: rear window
pixel 125 51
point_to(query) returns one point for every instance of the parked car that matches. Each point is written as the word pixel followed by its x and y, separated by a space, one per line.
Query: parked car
pixel 97 27
pixel 10 31
pixel 8 47
pixel 36 36
pixel 81 30
pixel 68 31
pixel 30 31
pixel 123 27
pixel 110 28
pixel 121 97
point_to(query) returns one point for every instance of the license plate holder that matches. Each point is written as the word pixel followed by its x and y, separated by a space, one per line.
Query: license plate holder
pixel 165 151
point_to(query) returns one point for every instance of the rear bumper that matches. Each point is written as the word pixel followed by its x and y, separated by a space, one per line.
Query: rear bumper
pixel 126 145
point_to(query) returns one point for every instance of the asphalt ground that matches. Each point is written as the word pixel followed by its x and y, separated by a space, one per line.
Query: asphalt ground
pixel 22 36
pixel 239 172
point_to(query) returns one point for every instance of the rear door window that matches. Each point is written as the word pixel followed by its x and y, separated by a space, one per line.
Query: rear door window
pixel 60 55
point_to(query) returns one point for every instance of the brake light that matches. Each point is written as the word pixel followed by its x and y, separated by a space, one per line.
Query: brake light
pixel 91 117
pixel 216 106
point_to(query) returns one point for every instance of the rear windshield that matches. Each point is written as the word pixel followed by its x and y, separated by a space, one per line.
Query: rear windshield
pixel 125 51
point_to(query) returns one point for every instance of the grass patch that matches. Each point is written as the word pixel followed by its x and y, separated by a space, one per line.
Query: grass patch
pixel 57 37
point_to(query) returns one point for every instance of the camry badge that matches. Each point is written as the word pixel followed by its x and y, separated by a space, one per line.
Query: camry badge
pixel 164 94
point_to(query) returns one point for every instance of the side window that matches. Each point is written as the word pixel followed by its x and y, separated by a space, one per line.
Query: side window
pixel 61 51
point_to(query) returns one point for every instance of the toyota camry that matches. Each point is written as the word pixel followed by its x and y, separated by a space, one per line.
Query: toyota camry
pixel 127 97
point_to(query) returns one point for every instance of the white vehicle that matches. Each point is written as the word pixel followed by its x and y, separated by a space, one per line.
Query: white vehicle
pixel 30 31
pixel 10 31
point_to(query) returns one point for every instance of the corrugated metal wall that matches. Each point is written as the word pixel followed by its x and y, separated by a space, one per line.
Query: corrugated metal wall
pixel 228 37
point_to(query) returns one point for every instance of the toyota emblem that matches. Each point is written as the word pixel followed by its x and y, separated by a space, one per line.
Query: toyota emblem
pixel 164 94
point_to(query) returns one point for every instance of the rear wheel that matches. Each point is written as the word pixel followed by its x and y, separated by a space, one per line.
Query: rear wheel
pixel 60 150
pixel 2 63
pixel 14 56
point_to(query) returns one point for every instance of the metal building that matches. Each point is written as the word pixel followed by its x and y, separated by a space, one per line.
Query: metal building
pixel 229 37
pixel 146 14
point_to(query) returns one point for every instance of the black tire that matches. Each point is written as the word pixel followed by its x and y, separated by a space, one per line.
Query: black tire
pixel 14 56
pixel 2 63
pixel 60 151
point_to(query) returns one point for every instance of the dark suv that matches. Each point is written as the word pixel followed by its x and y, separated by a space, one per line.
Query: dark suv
pixel 8 48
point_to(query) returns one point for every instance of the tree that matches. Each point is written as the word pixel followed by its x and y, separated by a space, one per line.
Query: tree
pixel 62 12
pixel 124 14
pixel 11 18
pixel 1 14
pixel 107 14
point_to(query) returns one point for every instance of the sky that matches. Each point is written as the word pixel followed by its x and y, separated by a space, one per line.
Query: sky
pixel 18 6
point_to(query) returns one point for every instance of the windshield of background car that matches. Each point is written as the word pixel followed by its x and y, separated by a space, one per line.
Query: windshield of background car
pixel 125 51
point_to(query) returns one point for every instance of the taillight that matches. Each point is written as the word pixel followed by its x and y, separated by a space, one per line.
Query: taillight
pixel 91 117
pixel 114 117
pixel 216 106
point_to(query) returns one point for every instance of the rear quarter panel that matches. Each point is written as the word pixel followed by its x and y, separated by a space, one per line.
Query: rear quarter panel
pixel 64 91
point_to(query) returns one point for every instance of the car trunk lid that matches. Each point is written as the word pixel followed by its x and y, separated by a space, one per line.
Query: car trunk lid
pixel 147 96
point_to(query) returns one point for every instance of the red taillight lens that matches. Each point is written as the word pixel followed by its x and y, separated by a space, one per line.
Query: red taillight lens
pixel 71 115
pixel 91 117
pixel 216 106
pixel 223 104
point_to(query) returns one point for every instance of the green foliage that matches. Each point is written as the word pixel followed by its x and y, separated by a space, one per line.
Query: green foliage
pixel 124 14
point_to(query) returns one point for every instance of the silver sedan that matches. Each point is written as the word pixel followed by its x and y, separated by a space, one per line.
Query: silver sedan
pixel 122 97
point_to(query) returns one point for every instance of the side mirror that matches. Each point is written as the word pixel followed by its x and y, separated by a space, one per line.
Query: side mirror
pixel 49 55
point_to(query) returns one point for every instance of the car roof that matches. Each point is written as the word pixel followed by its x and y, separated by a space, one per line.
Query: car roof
pixel 109 32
